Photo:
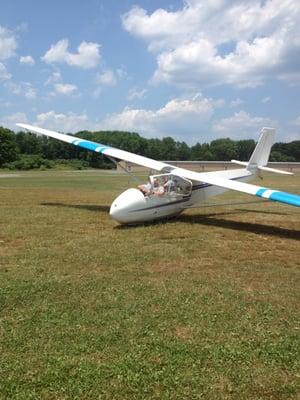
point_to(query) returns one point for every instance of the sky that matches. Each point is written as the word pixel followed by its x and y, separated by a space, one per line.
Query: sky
pixel 194 70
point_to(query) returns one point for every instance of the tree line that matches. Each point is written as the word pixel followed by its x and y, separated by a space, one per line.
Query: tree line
pixel 24 150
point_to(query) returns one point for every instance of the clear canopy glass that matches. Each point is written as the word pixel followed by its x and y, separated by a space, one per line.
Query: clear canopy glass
pixel 167 185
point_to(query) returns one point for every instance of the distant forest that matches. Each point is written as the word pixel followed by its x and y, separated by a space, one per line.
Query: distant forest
pixel 26 151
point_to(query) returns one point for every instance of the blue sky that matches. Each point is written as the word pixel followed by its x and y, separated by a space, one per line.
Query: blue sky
pixel 194 70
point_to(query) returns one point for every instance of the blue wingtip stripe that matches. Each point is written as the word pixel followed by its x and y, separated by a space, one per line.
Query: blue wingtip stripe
pixel 282 197
pixel 287 198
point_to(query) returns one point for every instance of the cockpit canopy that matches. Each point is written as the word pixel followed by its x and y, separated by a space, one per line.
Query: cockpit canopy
pixel 170 185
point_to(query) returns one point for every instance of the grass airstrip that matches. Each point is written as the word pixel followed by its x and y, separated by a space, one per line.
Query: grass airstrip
pixel 205 306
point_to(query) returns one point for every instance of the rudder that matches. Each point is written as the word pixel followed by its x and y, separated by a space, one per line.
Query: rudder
pixel 261 153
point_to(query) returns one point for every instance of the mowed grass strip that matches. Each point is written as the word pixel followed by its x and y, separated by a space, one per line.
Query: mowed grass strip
pixel 205 306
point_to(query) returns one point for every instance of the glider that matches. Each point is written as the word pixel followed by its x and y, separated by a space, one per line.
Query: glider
pixel 173 189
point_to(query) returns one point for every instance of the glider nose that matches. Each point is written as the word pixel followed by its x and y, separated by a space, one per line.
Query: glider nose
pixel 119 210
pixel 116 212
pixel 123 207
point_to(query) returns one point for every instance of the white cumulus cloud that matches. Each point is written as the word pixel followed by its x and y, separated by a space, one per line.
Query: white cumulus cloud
pixel 235 103
pixel 59 87
pixel 4 74
pixel 25 89
pixel 87 56
pixel 107 78
pixel 217 42
pixel 65 88
pixel 27 60
pixel 69 122
pixel 8 43
pixel 241 125
pixel 135 94
pixel 181 118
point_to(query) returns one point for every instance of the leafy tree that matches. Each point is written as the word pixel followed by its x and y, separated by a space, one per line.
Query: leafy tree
pixel 201 152
pixel 26 162
pixel 183 151
pixel 154 149
pixel 168 149
pixel 8 147
pixel 288 151
pixel 280 157
pixel 244 149
pixel 223 149
pixel 207 154
pixel 293 149
pixel 28 143
pixel 196 152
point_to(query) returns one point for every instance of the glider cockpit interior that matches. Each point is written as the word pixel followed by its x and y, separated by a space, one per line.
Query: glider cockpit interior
pixel 167 186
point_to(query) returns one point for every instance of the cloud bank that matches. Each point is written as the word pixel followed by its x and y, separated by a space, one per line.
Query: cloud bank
pixel 217 42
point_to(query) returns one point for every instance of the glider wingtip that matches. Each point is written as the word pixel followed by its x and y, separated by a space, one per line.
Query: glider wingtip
pixel 288 198
pixel 282 197
pixel 21 125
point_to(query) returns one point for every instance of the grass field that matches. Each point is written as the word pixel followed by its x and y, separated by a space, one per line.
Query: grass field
pixel 205 306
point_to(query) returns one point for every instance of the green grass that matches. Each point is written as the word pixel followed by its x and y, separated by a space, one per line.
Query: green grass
pixel 205 306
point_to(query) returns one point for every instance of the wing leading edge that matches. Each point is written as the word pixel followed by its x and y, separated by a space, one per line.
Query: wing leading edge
pixel 275 195
pixel 99 148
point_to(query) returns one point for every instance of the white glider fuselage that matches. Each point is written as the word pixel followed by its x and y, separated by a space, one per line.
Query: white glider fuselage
pixel 132 206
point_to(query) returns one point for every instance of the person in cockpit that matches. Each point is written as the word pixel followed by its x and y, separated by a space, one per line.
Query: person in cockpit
pixel 145 188
pixel 169 185
pixel 158 189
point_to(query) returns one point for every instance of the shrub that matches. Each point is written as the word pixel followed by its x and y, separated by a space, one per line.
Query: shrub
pixel 26 162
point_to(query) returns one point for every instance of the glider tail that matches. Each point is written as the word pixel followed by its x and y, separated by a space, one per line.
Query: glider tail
pixel 260 156
pixel 261 153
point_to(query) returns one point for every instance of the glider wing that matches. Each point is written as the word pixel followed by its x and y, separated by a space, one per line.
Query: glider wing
pixel 213 179
pixel 99 148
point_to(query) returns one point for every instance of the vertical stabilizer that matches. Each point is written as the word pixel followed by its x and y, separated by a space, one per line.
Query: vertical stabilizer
pixel 260 155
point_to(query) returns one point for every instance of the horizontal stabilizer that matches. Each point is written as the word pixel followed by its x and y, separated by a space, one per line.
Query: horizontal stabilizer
pixel 263 168
pixel 244 163
pixel 276 171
